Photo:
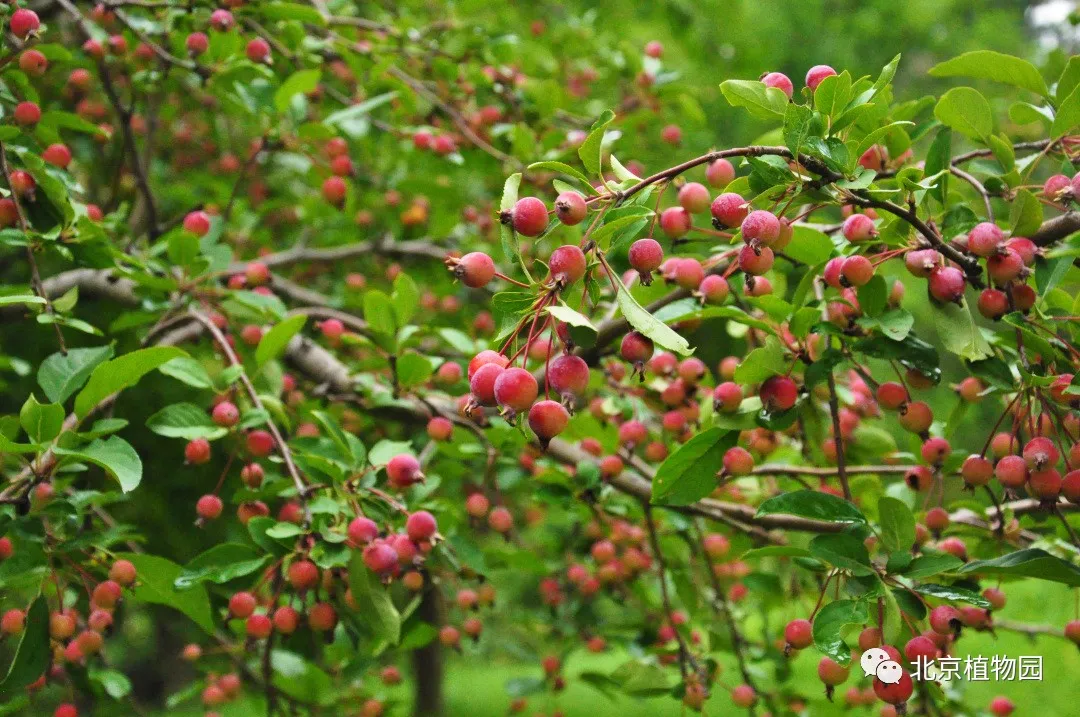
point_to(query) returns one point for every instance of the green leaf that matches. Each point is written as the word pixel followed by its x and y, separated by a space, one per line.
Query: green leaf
pixel 1067 116
pixel 938 161
pixel 642 679
pixel 413 369
pixel 761 101
pixel 115 683
pixel 616 221
pixel 897 524
pixel 185 420
pixel 873 137
pixel 69 120
pixel 895 324
pixel 646 323
pixel 120 373
pixel 829 622
pixel 115 456
pixel 506 232
pixel 842 551
pixel 797 120
pixel 375 609
pixel 888 72
pixel 41 421
pixel 274 341
pixel 809 246
pixel 689 473
pixel 1031 563
pixel 60 376
pixel 405 297
pixel 220 564
pixel 187 370
pixel 990 65
pixel 832 95
pixel 34 651
pixel 953 593
pixel 582 330
pixel 931 564
pixel 155 584
pixel 351 116
pixel 591 150
pixel 873 296
pixel 1025 214
pixel 622 173
pixel 761 363
pixel 379 314
pixel 966 111
pixel 891 619
pixel 960 334
pixel 299 82
pixel 564 168
pixel 21 299
pixel 1069 79
pixel 812 504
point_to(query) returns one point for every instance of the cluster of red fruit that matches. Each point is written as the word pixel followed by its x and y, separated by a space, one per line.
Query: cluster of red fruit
pixel 75 638
pixel 945 626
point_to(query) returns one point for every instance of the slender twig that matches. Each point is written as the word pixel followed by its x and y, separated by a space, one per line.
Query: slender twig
pixel 838 440
pixel 456 117
pixel 124 114
pixel 685 656
pixel 827 471
pixel 721 603
pixel 978 188
pixel 279 438
pixel 35 274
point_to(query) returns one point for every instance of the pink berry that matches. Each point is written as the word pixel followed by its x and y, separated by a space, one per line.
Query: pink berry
pixel 714 289
pixel 529 217
pixel 755 261
pixel 720 173
pixel 361 531
pixel 646 255
pixel 857 270
pixel 947 284
pixel 778 393
pixel 475 269
pixel 421 525
pixel 23 22
pixel 515 390
pixel 859 228
pixel 482 383
pixel 730 209
pixel 226 414
pixel 260 443
pixel 570 207
pixel 760 226
pixel 567 264
pixel 197 451
pixel 403 470
pixel 694 197
pixel 780 81
pixel 799 634
pixel 1005 266
pixel 675 222
pixel 984 239
pixel 548 419
pixel 816 74
pixel 258 50
pixel 197 222
pixel 569 376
